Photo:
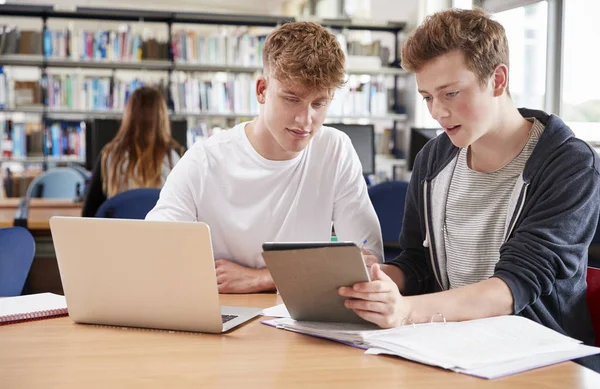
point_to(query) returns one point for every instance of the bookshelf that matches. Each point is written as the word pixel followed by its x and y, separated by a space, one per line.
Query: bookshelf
pixel 133 52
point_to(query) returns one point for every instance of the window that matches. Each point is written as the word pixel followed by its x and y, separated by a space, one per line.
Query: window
pixel 526 30
pixel 581 85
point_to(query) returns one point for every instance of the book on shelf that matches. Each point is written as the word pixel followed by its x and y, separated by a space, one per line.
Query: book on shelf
pixel 65 140
pixel 361 96
pixel 83 92
pixel 103 45
pixel 59 140
pixel 214 93
pixel 230 47
pixel 19 140
pixel 487 348
pixel 3 89
pixel 16 41
pixel 384 142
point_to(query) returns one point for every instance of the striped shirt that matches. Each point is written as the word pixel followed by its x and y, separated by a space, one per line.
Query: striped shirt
pixel 475 216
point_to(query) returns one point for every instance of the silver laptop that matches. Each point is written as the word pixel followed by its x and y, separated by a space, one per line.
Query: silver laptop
pixel 140 273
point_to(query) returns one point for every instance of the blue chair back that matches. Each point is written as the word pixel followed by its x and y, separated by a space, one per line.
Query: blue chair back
pixel 388 199
pixel 132 204
pixel 17 249
pixel 57 183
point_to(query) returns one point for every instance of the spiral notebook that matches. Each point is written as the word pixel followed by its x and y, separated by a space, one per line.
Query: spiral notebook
pixel 31 307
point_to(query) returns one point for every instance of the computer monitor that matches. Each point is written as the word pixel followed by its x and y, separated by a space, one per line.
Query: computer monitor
pixel 363 140
pixel 418 138
pixel 103 131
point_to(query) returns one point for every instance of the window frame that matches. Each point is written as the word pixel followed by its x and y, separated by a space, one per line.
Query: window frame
pixel 554 45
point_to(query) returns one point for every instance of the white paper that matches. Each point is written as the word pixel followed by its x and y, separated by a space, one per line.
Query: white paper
pixel 487 348
pixel 31 303
pixel 501 369
pixel 477 343
pixel 513 367
pixel 276 311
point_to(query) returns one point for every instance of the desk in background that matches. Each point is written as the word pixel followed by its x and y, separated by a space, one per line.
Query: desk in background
pixel 40 212
pixel 57 353
pixel 44 275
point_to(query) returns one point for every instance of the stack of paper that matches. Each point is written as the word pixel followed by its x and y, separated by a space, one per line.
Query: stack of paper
pixel 355 334
pixel 488 348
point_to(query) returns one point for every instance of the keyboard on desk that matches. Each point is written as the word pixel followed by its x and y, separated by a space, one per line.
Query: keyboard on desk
pixel 226 318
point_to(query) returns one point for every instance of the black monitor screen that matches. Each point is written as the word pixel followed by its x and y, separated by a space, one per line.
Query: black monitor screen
pixel 363 140
pixel 103 131
pixel 418 138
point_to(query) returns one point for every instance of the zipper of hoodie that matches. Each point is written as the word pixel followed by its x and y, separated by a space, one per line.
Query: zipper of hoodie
pixel 518 213
pixel 428 242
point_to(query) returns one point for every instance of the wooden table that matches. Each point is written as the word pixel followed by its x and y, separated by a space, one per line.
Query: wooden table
pixel 40 212
pixel 57 353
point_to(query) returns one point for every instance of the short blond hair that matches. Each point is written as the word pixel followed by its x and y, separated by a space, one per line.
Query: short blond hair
pixel 305 53
pixel 481 39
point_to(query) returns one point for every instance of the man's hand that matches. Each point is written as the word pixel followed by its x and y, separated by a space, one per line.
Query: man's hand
pixel 369 259
pixel 234 278
pixel 378 301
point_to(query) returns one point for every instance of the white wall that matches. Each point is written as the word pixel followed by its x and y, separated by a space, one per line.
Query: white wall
pixel 398 10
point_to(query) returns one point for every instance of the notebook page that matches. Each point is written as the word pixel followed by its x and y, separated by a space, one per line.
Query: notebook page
pixel 31 303
pixel 476 343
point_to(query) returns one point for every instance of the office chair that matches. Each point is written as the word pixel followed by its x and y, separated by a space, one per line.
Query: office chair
pixel 593 299
pixel 388 199
pixel 57 183
pixel 594 249
pixel 16 255
pixel 132 204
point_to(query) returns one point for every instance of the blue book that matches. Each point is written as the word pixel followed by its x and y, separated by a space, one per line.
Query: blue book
pixel 56 140
pixel 18 137
pixel 81 137
pixel 102 39
pixel 48 43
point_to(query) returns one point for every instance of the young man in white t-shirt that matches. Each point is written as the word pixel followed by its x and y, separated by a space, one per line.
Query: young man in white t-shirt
pixel 281 177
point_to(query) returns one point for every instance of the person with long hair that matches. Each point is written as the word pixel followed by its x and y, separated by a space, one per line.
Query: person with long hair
pixel 141 155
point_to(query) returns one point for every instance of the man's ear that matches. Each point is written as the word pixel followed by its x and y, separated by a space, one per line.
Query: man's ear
pixel 500 80
pixel 261 89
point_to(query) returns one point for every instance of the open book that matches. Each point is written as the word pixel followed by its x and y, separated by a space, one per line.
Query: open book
pixel 31 307
pixel 487 348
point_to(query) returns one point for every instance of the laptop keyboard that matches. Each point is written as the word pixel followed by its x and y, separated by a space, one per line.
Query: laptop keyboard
pixel 226 318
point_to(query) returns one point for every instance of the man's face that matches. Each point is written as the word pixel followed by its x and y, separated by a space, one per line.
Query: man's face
pixel 456 99
pixel 292 114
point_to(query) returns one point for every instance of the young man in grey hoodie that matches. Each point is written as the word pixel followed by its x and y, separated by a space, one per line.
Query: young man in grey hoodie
pixel 501 208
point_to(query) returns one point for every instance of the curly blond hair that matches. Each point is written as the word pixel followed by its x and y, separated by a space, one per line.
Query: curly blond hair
pixel 305 53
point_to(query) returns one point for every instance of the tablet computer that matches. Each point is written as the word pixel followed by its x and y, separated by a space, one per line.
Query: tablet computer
pixel 308 275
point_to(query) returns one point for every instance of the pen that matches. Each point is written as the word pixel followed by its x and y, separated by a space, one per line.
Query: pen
pixel 362 245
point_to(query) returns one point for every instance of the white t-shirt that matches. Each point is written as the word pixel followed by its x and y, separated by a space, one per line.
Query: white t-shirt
pixel 247 200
